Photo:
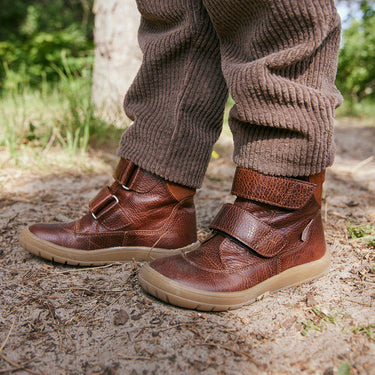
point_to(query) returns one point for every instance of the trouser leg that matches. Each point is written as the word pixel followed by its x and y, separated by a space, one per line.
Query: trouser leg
pixel 279 59
pixel 177 99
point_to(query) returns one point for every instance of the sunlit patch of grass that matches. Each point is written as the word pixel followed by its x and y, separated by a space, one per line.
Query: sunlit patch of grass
pixel 365 233
pixel 33 121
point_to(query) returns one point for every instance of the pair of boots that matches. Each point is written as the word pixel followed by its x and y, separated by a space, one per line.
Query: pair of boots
pixel 270 238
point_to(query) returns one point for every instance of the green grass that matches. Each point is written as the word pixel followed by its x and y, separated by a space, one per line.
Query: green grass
pixel 309 325
pixel 59 115
pixel 330 318
pixel 368 330
pixel 319 318
pixel 365 233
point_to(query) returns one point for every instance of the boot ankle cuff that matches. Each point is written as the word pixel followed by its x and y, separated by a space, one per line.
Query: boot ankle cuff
pixel 282 192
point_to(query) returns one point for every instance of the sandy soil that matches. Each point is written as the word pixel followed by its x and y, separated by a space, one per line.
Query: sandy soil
pixel 58 319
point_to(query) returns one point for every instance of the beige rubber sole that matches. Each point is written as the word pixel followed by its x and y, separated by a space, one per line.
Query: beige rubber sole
pixel 180 295
pixel 75 257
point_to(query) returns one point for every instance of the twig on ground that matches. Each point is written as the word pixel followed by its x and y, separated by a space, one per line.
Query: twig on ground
pixel 19 366
pixel 8 335
pixel 126 356
pixel 30 299
pixel 9 370
pixel 181 325
pixel 76 270
pixel 359 303
pixel 335 213
pixel 98 291
pixel 363 163
pixel 231 350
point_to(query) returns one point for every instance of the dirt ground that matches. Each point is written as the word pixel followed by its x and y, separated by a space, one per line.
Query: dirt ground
pixel 57 319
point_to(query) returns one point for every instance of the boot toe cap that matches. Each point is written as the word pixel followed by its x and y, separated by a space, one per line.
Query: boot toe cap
pixel 48 232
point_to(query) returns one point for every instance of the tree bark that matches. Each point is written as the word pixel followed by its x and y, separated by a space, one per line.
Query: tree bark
pixel 117 55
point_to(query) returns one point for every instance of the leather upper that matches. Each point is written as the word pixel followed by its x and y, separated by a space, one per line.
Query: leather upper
pixel 138 209
pixel 274 224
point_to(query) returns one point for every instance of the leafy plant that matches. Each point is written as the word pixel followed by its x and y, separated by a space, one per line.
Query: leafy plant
pixel 41 35
pixel 356 66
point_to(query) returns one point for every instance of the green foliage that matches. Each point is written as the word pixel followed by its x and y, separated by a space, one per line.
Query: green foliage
pixel 309 325
pixel 367 233
pixel 356 67
pixel 324 316
pixel 45 79
pixel 36 37
pixel 358 231
pixel 368 330
pixel 56 115
pixel 365 109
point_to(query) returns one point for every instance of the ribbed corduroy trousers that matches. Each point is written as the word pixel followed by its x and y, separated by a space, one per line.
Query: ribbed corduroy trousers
pixel 276 58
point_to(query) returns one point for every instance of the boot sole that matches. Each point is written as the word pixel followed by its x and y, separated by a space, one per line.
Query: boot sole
pixel 98 257
pixel 178 294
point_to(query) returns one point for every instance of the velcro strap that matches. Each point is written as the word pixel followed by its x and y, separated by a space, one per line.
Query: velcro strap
pixel 249 230
pixel 123 171
pixel 106 209
pixel 277 191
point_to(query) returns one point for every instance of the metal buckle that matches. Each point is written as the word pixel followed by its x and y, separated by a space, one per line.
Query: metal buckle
pixel 125 187
pixel 116 201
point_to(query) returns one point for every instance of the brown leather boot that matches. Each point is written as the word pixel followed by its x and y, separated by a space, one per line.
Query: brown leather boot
pixel 270 238
pixel 140 216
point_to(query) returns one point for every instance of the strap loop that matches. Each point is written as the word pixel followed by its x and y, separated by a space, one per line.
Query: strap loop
pixel 133 178
pixel 123 172
pixel 103 202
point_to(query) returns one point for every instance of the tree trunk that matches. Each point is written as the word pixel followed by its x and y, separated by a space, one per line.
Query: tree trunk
pixel 117 55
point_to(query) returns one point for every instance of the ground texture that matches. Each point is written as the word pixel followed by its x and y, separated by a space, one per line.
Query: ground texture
pixel 57 319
